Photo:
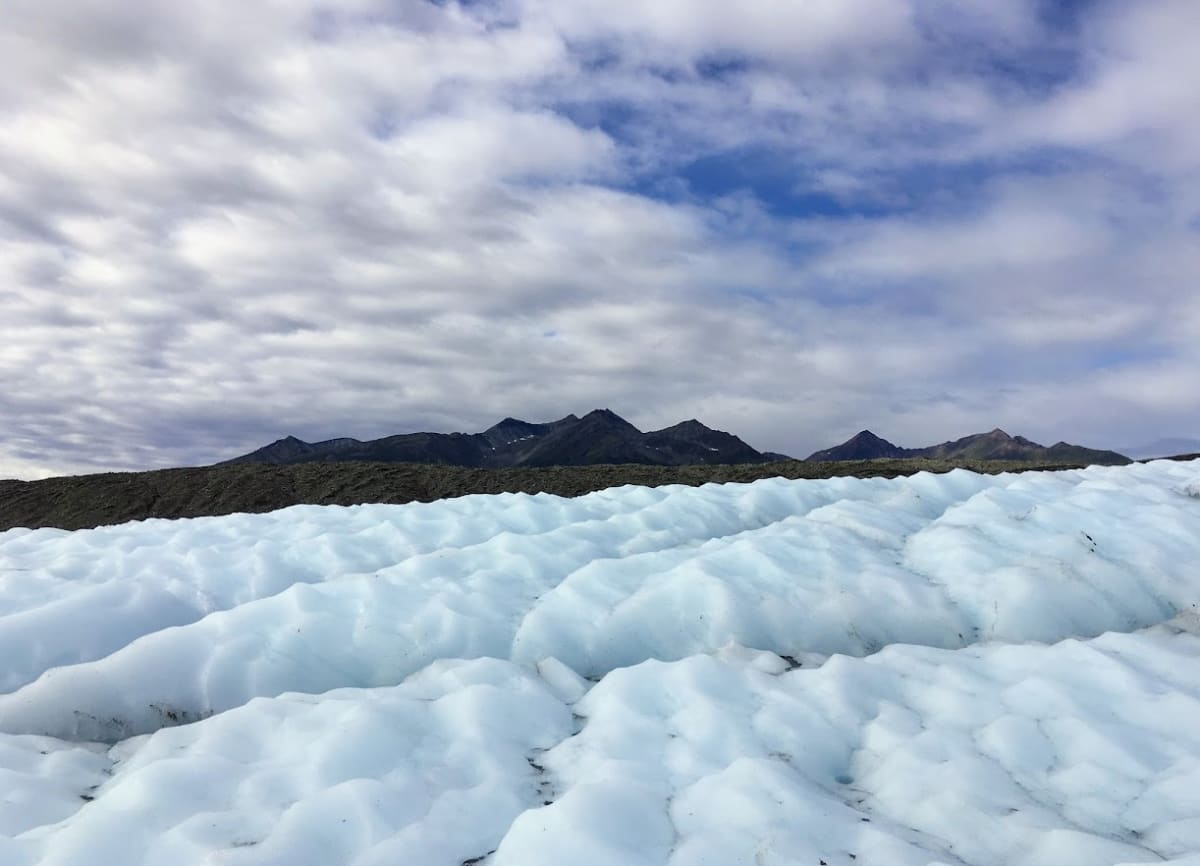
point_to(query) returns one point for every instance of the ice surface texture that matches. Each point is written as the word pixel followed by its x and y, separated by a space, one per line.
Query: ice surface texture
pixel 636 676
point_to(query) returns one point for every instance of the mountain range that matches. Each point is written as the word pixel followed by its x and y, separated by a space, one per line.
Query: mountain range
pixel 996 445
pixel 599 437
pixel 603 437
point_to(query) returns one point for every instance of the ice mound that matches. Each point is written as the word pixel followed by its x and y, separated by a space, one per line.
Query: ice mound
pixel 954 669
pixel 1085 752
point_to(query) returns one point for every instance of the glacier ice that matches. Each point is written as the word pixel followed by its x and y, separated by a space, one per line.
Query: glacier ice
pixel 957 669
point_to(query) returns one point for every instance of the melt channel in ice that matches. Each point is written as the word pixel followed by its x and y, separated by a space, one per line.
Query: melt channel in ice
pixel 942 669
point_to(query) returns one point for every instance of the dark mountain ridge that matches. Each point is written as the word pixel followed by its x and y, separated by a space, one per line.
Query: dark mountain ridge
pixel 599 437
pixel 993 445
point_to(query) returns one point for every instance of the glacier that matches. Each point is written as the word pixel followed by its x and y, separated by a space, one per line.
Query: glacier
pixel 939 669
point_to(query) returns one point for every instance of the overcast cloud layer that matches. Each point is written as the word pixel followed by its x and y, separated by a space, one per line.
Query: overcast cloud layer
pixel 221 223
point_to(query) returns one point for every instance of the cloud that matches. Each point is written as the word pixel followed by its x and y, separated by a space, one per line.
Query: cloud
pixel 219 226
pixel 1134 97
pixel 812 33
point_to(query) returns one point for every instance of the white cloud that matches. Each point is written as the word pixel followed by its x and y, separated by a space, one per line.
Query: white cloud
pixel 220 225
pixel 1137 93
pixel 811 32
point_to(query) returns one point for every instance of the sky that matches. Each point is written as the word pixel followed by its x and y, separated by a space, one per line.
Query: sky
pixel 223 223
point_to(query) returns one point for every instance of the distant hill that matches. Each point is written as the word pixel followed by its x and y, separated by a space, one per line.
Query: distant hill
pixel 599 437
pixel 1163 448
pixel 995 445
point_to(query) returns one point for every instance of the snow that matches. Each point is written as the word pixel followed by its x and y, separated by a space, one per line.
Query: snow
pixel 954 669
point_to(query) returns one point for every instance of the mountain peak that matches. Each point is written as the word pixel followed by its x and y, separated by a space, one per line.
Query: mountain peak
pixel 607 417
pixel 691 425
pixel 863 445
pixel 996 444
pixel 506 424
